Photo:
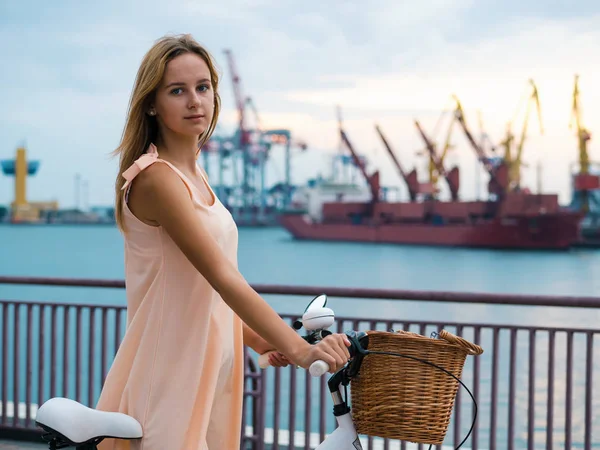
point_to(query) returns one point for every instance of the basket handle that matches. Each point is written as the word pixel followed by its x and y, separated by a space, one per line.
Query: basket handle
pixel 469 347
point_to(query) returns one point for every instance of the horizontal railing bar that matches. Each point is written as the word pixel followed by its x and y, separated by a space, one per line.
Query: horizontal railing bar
pixel 61 304
pixel 52 281
pixel 433 296
pixel 364 293
pixel 490 326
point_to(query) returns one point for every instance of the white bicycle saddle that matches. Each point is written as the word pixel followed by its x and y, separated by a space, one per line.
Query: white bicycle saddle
pixel 70 421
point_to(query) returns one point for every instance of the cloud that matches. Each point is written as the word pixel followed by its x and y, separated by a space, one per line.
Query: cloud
pixel 481 73
pixel 329 38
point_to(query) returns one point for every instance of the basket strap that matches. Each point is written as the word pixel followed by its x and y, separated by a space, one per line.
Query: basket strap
pixel 469 347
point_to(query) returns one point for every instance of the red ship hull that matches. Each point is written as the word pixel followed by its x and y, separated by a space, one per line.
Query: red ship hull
pixel 555 232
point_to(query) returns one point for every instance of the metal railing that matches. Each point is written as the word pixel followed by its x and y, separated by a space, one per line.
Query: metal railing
pixel 534 386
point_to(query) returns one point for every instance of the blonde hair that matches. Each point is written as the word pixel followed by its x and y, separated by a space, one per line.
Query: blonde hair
pixel 141 129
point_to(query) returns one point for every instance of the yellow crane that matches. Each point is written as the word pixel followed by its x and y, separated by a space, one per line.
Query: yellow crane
pixel 507 144
pixel 514 160
pixel 433 172
pixel 583 135
pixel 584 182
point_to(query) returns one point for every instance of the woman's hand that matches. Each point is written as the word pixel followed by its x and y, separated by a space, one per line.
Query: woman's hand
pixel 277 359
pixel 333 350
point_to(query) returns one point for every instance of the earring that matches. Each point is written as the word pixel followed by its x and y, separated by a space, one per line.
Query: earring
pixel 152 112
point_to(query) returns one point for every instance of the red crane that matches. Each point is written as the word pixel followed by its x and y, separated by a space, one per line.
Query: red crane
pixel 372 180
pixel 411 179
pixel 240 101
pixel 498 183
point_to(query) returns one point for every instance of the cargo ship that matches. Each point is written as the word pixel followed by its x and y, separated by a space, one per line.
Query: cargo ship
pixel 480 224
pixel 508 220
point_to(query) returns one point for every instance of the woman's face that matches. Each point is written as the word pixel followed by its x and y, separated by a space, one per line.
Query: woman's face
pixel 184 101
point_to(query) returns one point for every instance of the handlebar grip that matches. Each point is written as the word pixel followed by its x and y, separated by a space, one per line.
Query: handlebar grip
pixel 263 360
pixel 318 368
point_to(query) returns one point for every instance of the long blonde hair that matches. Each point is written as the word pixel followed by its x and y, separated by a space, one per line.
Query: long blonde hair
pixel 141 129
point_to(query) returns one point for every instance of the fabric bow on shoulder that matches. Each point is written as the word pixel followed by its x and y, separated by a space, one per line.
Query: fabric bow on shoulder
pixel 140 164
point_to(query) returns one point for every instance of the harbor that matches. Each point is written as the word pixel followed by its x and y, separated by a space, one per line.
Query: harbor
pixel 351 204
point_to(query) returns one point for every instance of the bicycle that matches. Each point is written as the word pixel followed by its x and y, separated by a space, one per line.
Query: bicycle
pixel 68 423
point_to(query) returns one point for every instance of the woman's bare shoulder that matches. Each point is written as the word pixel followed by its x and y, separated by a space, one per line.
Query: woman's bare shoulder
pixel 155 176
pixel 155 188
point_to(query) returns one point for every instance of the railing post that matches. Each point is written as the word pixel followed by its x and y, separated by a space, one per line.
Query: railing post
pixel 254 376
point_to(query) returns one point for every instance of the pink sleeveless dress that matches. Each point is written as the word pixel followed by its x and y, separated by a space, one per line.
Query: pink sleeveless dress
pixel 179 368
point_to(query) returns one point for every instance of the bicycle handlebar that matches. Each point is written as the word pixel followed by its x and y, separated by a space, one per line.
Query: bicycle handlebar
pixel 316 369
pixel 263 360
pixel 319 367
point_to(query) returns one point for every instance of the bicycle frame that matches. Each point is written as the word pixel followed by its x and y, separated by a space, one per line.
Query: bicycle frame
pixel 345 436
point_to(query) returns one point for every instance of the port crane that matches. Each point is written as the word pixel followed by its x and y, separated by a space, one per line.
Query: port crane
pixel 241 139
pixel 373 179
pixel 484 137
pixel 250 146
pixel 498 171
pixel 410 178
pixel 431 166
pixel 583 135
pixel 433 173
pixel 514 161
pixel 584 182
pixel 452 177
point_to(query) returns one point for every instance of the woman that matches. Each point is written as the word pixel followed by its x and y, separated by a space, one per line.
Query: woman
pixel 179 368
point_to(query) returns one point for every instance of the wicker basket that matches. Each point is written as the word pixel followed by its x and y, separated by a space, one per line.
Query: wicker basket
pixel 405 399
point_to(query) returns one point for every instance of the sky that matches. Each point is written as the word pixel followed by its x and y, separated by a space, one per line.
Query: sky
pixel 68 68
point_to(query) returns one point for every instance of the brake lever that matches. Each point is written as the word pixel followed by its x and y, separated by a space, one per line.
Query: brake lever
pixel 359 351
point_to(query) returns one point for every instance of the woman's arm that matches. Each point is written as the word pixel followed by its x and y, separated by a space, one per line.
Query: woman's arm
pixel 163 198
pixel 260 346
pixel 255 342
